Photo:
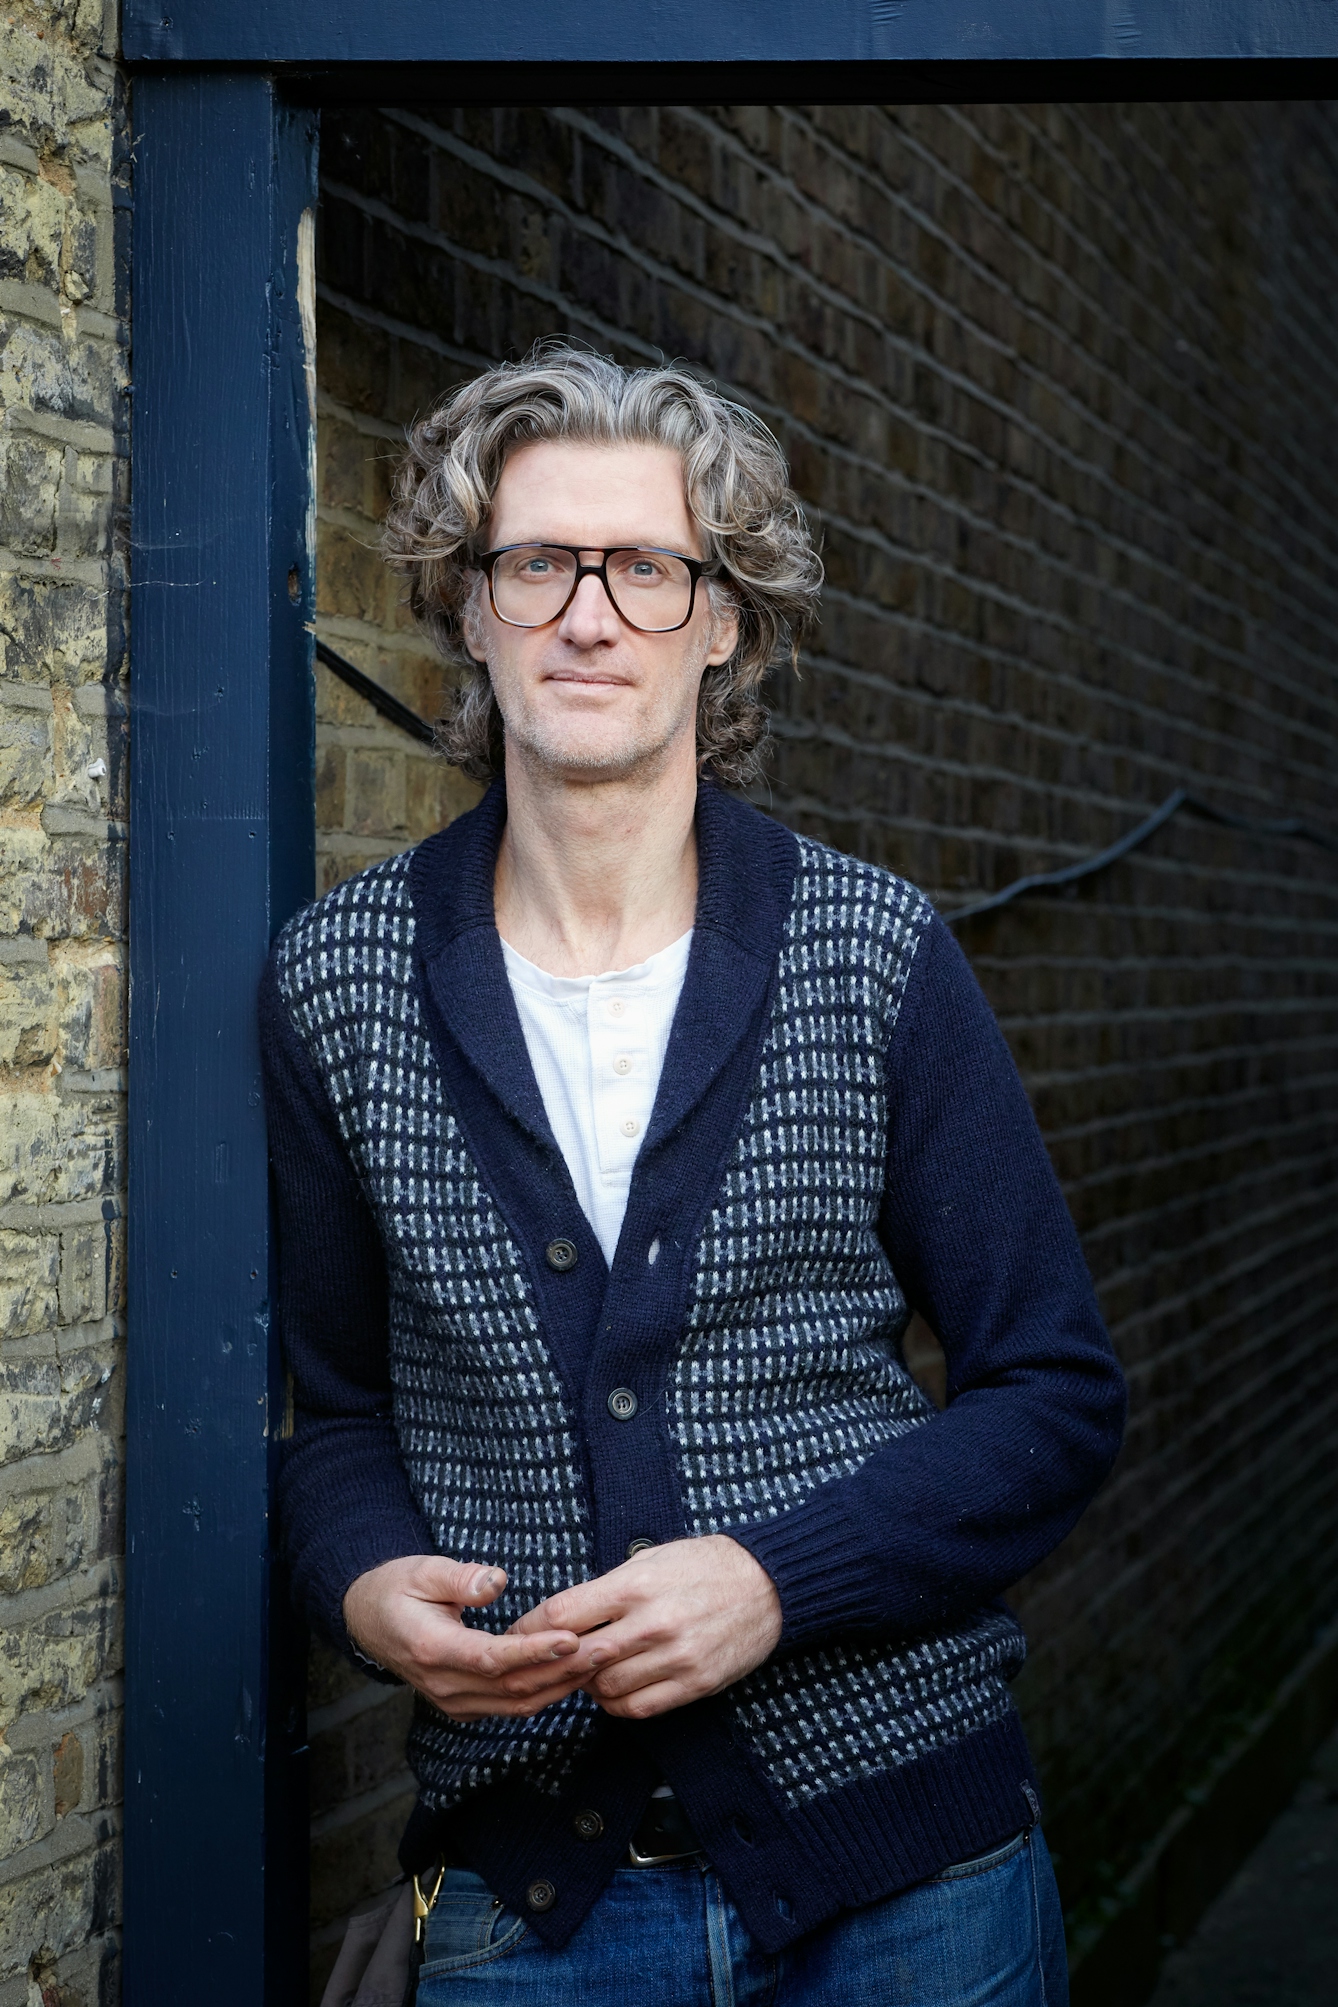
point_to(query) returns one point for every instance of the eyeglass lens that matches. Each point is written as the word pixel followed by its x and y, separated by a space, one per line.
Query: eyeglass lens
pixel 651 589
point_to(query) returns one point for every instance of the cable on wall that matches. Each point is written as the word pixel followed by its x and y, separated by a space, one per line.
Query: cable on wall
pixel 380 699
pixel 1087 867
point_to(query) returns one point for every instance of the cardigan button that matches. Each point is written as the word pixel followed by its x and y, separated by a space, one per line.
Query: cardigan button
pixel 623 1404
pixel 635 1547
pixel 588 1825
pixel 541 1895
pixel 561 1255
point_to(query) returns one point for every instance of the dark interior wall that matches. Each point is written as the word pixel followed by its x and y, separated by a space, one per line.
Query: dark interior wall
pixel 1059 385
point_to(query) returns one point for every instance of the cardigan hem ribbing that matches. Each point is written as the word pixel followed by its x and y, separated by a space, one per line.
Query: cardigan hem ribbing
pixel 838 1850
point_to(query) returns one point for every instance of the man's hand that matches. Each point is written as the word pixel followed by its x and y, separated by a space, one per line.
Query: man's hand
pixel 678 1622
pixel 407 1615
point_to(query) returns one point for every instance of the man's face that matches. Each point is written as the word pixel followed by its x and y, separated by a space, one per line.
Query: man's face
pixel 589 696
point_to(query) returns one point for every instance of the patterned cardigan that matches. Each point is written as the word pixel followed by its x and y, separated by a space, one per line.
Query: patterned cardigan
pixel 839 1135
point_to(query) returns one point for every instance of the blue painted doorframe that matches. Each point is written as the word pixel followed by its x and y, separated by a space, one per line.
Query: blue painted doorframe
pixel 221 752
pixel 221 779
pixel 609 33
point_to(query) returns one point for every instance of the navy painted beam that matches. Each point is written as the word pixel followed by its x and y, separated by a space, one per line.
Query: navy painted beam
pixel 222 813
pixel 340 32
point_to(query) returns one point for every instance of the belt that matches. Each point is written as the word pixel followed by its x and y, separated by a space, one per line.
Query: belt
pixel 663 1834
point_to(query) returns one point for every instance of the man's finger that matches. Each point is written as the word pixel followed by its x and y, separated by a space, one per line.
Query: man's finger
pixel 438 1580
pixel 523 1682
pixel 440 1645
pixel 648 1701
pixel 494 1657
pixel 537 1691
pixel 483 1697
pixel 597 1648
pixel 580 1608
pixel 637 1669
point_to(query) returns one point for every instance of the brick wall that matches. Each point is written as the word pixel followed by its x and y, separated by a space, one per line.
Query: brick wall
pixel 62 827
pixel 1059 385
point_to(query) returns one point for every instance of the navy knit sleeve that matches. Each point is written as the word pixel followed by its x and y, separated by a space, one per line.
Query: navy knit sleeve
pixel 344 1499
pixel 977 1230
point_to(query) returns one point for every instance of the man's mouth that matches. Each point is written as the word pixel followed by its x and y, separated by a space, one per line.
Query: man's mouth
pixel 596 678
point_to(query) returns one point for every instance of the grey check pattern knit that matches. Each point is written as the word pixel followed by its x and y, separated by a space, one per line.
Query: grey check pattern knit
pixel 789 1372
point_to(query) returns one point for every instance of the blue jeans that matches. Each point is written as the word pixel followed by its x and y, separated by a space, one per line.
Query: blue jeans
pixel 985 1934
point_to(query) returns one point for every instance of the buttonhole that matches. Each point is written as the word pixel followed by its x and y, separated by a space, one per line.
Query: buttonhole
pixel 743 1827
pixel 653 1251
pixel 784 1905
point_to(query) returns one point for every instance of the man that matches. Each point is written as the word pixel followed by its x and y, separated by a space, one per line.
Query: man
pixel 616 1132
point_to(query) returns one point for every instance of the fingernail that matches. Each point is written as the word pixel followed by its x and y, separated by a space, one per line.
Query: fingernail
pixel 487 1578
pixel 562 1651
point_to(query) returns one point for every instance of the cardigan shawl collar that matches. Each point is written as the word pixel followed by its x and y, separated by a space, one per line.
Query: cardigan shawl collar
pixel 746 867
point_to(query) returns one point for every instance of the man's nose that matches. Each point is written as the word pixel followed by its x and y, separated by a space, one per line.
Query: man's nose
pixel 591 616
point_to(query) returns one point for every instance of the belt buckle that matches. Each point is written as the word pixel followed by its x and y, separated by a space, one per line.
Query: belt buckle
pixel 636 1860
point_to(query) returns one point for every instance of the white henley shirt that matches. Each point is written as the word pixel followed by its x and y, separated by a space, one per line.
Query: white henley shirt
pixel 597 1046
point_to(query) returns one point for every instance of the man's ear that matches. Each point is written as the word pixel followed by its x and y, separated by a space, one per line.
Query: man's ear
pixel 724 635
pixel 471 620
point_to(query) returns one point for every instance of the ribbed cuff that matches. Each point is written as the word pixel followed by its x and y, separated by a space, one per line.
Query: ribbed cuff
pixel 333 1573
pixel 822 1574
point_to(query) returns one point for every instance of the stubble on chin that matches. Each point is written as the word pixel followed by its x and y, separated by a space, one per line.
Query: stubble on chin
pixel 588 756
pixel 597 748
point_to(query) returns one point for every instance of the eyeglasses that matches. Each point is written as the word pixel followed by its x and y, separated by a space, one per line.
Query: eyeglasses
pixel 530 585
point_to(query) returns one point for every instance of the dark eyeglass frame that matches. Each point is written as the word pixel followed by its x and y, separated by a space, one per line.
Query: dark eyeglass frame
pixel 697 570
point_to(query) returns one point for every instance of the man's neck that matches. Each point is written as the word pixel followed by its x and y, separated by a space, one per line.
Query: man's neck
pixel 595 876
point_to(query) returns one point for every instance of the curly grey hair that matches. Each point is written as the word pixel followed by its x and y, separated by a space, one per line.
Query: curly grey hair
pixel 754 536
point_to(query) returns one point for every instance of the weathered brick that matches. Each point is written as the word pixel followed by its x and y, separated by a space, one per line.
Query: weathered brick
pixel 52 629
pixel 375 791
pixel 330 769
pixel 85 1267
pixel 435 794
pixel 26 770
pixel 20 1801
pixel 62 1907
pixel 55 1149
pixel 47 1403
pixel 50 1661
pixel 32 224
pixel 67 1773
pixel 31 470
pixel 27 1536
pixel 29 1282
pixel 90 997
pixel 360 1754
